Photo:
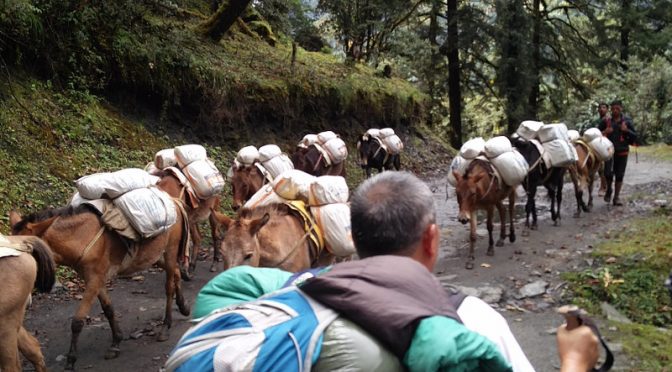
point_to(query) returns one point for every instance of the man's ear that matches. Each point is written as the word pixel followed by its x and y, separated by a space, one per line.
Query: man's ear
pixel 430 241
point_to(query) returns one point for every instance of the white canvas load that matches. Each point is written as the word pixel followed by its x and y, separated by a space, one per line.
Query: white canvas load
pixel 373 132
pixel 308 140
pixel 550 132
pixel 393 144
pixel 497 146
pixel 590 134
pixel 247 155
pixel 386 132
pixel 337 150
pixel 149 210
pixel 278 165
pixel 459 165
pixel 165 158
pixel 472 148
pixel 326 136
pixel 112 185
pixel 602 147
pixel 512 167
pixel 573 135
pixel 334 220
pixel 529 128
pixel 561 153
pixel 264 196
pixel 267 152
pixel 294 185
pixel 204 177
pixel 152 169
pixel 328 190
pixel 186 154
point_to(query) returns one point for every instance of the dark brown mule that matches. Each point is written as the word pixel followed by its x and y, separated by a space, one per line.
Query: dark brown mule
pixel 245 181
pixel 269 236
pixel 480 189
pixel 373 155
pixel 198 211
pixel 79 239
pixel 33 267
pixel 312 161
pixel 583 176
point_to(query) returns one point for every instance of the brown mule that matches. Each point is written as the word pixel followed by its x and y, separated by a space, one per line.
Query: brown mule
pixel 33 267
pixel 245 181
pixel 78 239
pixel 311 160
pixel 480 189
pixel 269 236
pixel 583 176
pixel 198 211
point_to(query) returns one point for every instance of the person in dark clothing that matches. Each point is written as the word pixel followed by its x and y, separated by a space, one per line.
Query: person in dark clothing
pixel 621 132
pixel 603 112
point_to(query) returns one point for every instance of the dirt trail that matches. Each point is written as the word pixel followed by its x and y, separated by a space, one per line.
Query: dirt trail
pixel 543 255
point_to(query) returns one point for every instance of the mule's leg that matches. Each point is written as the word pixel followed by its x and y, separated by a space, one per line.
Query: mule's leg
pixel 591 180
pixel 558 198
pixel 491 242
pixel 397 162
pixel 472 241
pixel 9 351
pixel 170 265
pixel 94 282
pixel 526 231
pixel 179 297
pixel 30 348
pixel 577 190
pixel 216 254
pixel 117 335
pixel 502 224
pixel 512 204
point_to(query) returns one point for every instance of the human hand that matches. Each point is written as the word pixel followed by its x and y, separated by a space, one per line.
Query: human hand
pixel 608 130
pixel 624 127
pixel 577 348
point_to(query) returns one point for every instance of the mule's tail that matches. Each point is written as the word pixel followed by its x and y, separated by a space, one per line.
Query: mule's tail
pixel 46 268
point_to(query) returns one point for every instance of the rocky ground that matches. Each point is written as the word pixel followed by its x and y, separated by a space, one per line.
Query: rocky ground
pixel 523 280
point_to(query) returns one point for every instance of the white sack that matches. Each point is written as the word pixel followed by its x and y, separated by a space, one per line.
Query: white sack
pixel 385 132
pixel 328 190
pixel 112 185
pixel 337 150
pixel 149 210
pixel 334 220
pixel 573 135
pixel 602 147
pixel 529 128
pixel 393 144
pixel 497 146
pixel 590 134
pixel 267 152
pixel 373 132
pixel 247 155
pixel 186 154
pixel 278 165
pixel 294 185
pixel 264 196
pixel 152 169
pixel 560 152
pixel 326 136
pixel 550 132
pixel 512 167
pixel 472 148
pixel 459 165
pixel 165 158
pixel 204 178
pixel 308 140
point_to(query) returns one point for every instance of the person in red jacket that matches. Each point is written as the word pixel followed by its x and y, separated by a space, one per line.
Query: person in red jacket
pixel 621 132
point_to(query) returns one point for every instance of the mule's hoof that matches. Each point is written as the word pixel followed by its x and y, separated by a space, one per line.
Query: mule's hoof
pixel 112 353
pixel 491 252
pixel 512 238
pixel 185 309
pixel 556 223
pixel 469 265
pixel 213 267
pixel 163 335
pixel 576 214
pixel 500 243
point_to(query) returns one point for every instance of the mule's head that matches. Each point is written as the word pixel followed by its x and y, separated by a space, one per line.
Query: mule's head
pixel 240 245
pixel 364 149
pixel 469 190
pixel 244 183
pixel 21 226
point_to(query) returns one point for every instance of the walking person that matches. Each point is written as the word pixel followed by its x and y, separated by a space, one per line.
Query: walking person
pixel 621 132
pixel 603 112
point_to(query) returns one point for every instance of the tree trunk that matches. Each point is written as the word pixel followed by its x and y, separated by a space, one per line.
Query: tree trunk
pixel 434 59
pixel 533 100
pixel 625 33
pixel 454 94
pixel 216 26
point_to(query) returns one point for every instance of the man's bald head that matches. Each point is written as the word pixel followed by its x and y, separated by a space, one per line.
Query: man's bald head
pixel 389 214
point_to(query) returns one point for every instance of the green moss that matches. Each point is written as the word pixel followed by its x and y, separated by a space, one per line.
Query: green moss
pixel 648 348
pixel 659 151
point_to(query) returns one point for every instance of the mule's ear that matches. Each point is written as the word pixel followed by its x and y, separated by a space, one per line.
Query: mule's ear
pixel 38 229
pixel 478 177
pixel 222 219
pixel 458 176
pixel 257 224
pixel 359 144
pixel 14 218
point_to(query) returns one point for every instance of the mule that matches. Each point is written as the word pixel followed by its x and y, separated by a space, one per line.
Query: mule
pixel 311 160
pixel 539 174
pixel 373 155
pixel 34 267
pixel 78 239
pixel 583 176
pixel 269 236
pixel 198 211
pixel 477 189
pixel 245 182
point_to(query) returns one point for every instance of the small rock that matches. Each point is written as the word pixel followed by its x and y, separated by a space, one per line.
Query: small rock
pixel 662 203
pixel 142 308
pixel 547 270
pixel 60 358
pixel 535 273
pixel 589 261
pixel 533 289
pixel 611 260
pixel 138 278
pixel 551 331
pixel 613 329
pixel 491 295
pixel 486 265
pixel 156 358
pixel 612 314
pixel 136 335
pixel 78 297
pixel 481 232
pixel 616 347
pixel 88 366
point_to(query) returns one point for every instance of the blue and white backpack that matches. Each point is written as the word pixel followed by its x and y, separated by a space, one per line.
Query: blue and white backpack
pixel 278 332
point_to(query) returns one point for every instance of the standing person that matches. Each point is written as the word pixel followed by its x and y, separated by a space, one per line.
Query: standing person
pixel 621 132
pixel 603 112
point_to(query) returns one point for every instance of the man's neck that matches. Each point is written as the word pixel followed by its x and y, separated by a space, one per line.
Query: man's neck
pixel 616 117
